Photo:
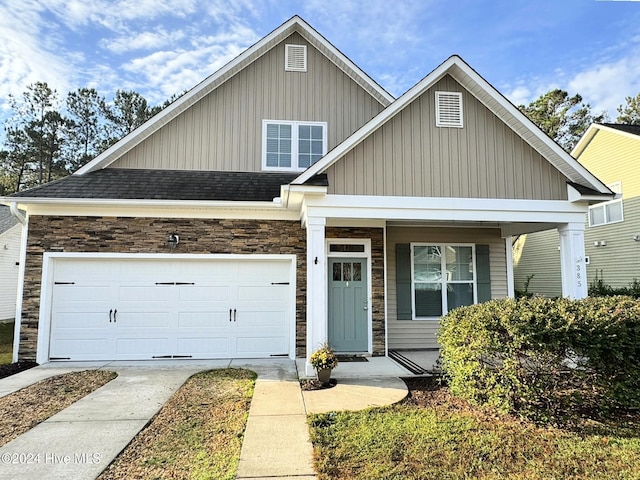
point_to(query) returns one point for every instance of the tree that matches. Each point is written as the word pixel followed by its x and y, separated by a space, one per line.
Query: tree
pixel 128 111
pixel 34 137
pixel 561 117
pixel 630 113
pixel 85 136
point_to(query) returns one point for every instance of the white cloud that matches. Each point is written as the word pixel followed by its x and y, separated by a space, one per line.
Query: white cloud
pixel 605 86
pixel 143 41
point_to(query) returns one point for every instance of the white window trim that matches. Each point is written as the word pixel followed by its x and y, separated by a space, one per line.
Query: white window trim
pixel 617 188
pixel 294 144
pixel 443 281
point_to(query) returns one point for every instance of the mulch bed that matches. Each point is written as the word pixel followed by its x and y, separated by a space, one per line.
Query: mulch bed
pixel 13 368
pixel 314 384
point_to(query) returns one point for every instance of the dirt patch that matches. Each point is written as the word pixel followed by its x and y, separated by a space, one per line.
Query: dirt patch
pixel 22 410
pixel 9 369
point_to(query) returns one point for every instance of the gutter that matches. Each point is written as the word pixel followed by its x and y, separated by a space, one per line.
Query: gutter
pixel 13 209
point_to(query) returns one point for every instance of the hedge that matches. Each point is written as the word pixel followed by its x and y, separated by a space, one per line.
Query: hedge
pixel 541 358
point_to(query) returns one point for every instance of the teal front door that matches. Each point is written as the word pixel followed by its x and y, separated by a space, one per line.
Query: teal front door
pixel 348 307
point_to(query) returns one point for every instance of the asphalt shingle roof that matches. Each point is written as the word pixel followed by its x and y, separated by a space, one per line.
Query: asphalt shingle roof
pixel 6 219
pixel 146 184
pixel 634 129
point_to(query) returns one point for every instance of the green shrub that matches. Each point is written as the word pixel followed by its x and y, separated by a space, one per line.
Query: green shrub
pixel 542 358
pixel 600 289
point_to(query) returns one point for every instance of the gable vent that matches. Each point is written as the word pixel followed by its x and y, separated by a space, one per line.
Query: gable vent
pixel 295 58
pixel 449 109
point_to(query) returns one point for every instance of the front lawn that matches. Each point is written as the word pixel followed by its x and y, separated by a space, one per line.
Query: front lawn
pixel 6 342
pixel 432 435
pixel 197 434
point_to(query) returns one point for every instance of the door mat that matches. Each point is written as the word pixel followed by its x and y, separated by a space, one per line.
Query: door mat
pixel 351 358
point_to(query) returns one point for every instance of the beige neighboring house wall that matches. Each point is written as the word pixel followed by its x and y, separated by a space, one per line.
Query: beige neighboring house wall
pixel 9 258
pixel 612 153
pixel 538 254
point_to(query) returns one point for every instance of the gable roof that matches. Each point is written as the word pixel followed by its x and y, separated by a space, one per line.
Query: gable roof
pixel 145 184
pixel 631 131
pixel 488 96
pixel 294 24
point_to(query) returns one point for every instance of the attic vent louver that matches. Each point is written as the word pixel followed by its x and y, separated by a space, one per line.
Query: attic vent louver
pixel 295 58
pixel 449 109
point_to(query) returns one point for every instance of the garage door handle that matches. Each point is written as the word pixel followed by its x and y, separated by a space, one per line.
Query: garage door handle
pixel 110 312
pixel 230 314
pixel 115 313
pixel 235 317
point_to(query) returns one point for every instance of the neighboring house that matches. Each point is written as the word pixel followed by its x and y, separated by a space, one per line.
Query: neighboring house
pixel 9 263
pixel 286 200
pixel 612 235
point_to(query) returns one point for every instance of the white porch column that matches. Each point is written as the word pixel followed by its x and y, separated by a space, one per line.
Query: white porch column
pixel 317 331
pixel 508 245
pixel 574 273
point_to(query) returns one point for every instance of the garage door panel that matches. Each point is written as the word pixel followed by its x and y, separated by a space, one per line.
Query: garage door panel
pixel 262 293
pixel 211 346
pixel 258 346
pixel 128 293
pixel 262 318
pixel 144 320
pixel 204 293
pixel 89 347
pixel 203 320
pixel 143 346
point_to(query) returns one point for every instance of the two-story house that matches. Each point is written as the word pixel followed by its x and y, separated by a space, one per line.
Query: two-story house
pixel 286 200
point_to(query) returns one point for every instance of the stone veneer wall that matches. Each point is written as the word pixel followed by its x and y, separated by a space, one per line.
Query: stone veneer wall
pixel 377 281
pixel 148 235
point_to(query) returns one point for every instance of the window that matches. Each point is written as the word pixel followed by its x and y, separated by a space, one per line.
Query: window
pixel 607 212
pixel 449 109
pixel 443 277
pixel 292 145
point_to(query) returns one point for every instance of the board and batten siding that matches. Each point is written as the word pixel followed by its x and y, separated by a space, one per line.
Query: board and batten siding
pixel 223 131
pixel 410 156
pixel 614 157
pixel 9 258
pixel 420 334
pixel 538 254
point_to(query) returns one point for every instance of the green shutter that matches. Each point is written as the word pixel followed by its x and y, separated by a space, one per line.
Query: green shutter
pixel 484 273
pixel 403 281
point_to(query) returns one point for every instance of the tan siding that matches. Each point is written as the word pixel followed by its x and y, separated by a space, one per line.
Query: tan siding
pixel 409 156
pixel 537 254
pixel 223 131
pixel 409 334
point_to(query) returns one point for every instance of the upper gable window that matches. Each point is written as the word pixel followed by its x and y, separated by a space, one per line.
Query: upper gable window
pixel 607 212
pixel 292 145
pixel 295 58
pixel 449 109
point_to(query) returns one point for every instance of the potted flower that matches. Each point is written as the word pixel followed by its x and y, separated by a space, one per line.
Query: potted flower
pixel 324 360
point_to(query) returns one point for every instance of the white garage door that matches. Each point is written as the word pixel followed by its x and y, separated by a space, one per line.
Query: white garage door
pixel 120 309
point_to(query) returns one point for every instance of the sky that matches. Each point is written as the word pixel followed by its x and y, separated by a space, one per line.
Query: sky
pixel 158 48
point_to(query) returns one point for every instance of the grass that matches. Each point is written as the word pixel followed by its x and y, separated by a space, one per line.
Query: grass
pixel 6 342
pixel 197 434
pixel 448 440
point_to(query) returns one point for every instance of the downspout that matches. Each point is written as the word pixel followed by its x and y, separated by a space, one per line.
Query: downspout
pixel 13 209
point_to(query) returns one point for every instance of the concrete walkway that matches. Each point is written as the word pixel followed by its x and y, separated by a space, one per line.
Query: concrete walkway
pixel 80 441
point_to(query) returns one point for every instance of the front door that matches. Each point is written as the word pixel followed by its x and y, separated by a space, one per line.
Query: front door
pixel 348 306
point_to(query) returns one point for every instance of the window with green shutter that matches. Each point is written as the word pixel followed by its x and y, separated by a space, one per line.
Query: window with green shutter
pixel 432 279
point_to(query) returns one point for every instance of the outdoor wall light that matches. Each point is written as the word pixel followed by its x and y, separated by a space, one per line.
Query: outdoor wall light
pixel 173 241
